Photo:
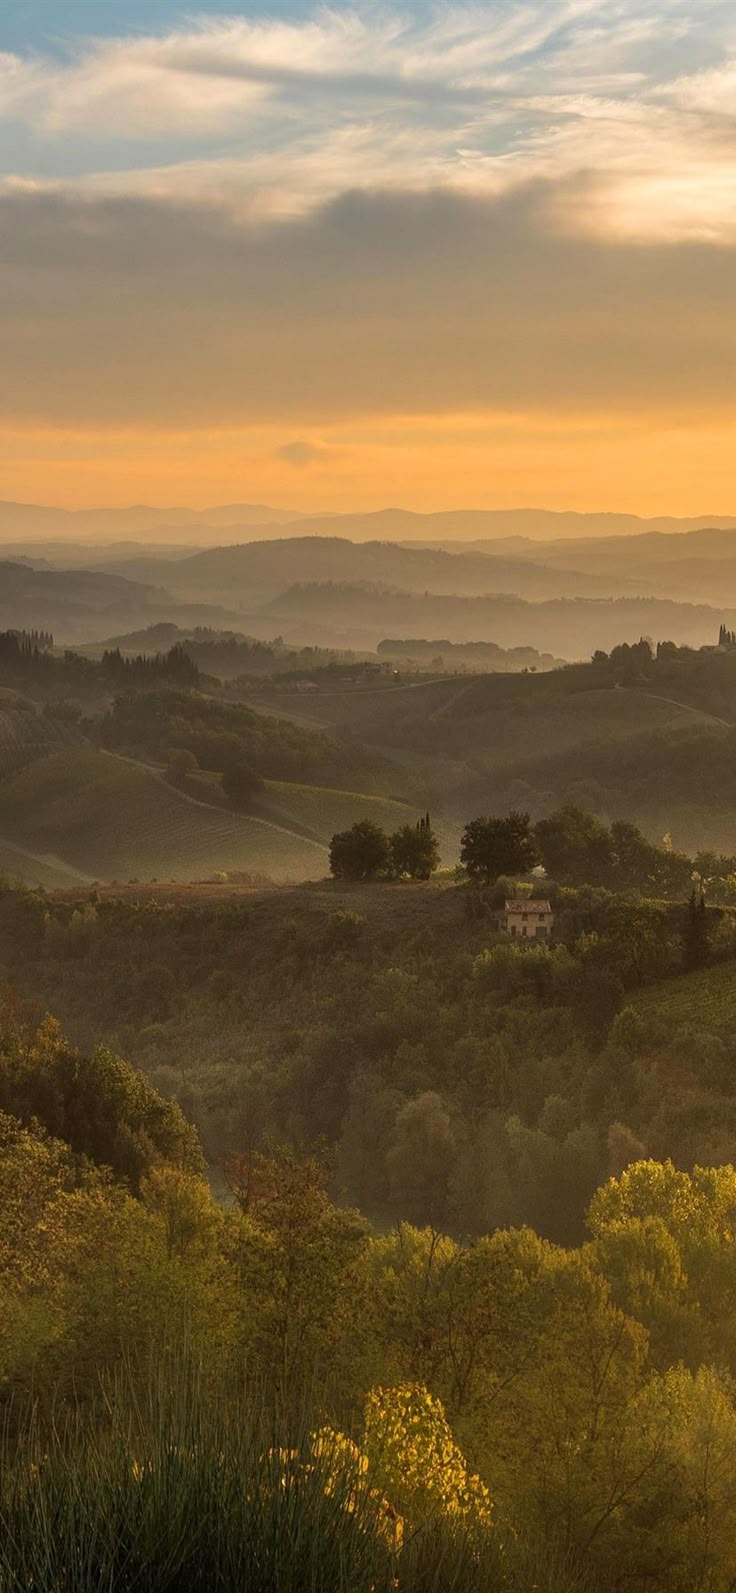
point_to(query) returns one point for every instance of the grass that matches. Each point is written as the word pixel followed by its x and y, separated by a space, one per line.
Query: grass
pixel 28 870
pixel 706 996
pixel 324 811
pixel 117 820
pixel 168 1491
pixel 501 719
pixel 26 735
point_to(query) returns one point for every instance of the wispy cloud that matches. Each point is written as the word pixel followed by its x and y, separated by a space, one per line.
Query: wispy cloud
pixel 275 117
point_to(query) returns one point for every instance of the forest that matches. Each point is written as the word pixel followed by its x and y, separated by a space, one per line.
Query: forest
pixel 268 1382
pixel 450 1076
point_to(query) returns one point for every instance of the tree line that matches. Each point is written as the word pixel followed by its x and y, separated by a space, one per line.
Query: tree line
pixel 30 654
pixel 571 846
pixel 366 852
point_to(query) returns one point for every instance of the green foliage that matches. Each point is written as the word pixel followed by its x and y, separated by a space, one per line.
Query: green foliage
pixel 100 1106
pixel 292 1017
pixel 177 1491
pixel 414 850
pixel 241 785
pixel 221 734
pixel 575 847
pixel 495 846
pixel 360 853
pixel 303 1396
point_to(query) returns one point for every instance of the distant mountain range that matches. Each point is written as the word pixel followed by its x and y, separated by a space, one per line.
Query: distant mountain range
pixel 325 587
pixel 22 520
pixel 185 525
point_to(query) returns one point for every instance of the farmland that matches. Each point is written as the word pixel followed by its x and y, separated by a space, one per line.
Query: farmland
pixel 324 811
pixel 26 734
pixel 502 718
pixel 20 865
pixel 703 999
pixel 117 820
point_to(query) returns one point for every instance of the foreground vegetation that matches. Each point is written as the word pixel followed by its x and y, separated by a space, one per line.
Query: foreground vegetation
pixel 268 1389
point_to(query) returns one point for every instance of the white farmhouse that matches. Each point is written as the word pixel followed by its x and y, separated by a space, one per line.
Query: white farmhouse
pixel 525 918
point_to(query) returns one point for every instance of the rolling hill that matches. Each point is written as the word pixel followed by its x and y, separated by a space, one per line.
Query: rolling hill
pixel 26 734
pixel 115 819
pixel 323 812
pixel 254 573
pixel 360 616
pixel 497 719
pixel 488 743
pixel 84 605
pixel 33 520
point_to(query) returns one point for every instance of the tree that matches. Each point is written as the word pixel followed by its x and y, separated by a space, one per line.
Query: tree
pixel 575 847
pixel 421 1157
pixel 695 938
pixel 414 850
pixel 180 764
pixel 362 852
pixel 241 784
pixel 99 1105
pixel 494 846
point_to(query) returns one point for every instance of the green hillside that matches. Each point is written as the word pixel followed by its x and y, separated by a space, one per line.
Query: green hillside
pixel 501 719
pixel 20 865
pixel 324 811
pixel 703 999
pixel 677 778
pixel 114 819
pixel 25 734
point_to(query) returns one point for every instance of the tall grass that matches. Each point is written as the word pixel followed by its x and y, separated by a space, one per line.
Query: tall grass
pixel 174 1492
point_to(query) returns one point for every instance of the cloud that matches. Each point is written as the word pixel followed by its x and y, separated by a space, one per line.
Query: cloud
pixel 130 311
pixel 300 454
pixel 277 117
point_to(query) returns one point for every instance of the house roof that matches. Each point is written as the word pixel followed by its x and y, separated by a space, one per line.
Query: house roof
pixel 527 904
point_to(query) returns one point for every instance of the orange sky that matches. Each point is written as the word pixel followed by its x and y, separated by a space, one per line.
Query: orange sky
pixel 349 256
pixel 634 463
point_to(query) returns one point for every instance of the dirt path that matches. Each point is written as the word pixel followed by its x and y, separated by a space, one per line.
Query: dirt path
pixel 701 713
pixel 47 860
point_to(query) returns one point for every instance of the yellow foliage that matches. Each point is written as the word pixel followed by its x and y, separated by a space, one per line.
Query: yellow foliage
pixel 412 1451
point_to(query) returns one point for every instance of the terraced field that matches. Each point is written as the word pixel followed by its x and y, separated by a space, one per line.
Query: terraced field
pixel 114 819
pixel 707 996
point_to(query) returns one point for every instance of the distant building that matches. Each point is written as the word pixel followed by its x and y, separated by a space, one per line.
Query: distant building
pixel 525 918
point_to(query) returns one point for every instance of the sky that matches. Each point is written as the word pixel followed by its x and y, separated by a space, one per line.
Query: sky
pixel 340 257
